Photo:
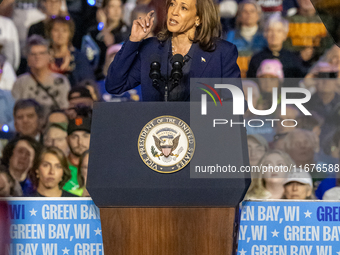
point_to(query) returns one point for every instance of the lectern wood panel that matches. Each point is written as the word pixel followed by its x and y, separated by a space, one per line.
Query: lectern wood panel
pixel 167 231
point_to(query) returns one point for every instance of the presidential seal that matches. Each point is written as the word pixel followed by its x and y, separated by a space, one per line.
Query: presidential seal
pixel 166 144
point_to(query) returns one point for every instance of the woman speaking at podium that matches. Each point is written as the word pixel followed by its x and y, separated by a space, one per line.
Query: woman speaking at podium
pixel 192 30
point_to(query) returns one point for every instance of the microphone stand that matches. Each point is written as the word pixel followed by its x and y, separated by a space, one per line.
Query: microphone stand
pixel 176 73
pixel 166 92
pixel 156 76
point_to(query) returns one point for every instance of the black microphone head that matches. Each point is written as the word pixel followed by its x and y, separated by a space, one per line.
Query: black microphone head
pixel 177 58
pixel 177 65
pixel 155 68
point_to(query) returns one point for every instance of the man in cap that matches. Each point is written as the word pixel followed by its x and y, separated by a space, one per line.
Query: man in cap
pixel 78 139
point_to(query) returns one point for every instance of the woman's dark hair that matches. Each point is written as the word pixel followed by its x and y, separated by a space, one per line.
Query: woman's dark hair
pixel 62 159
pixel 80 177
pixel 7 152
pixel 208 30
pixel 63 20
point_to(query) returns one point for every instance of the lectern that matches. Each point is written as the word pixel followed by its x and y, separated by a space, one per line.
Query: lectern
pixel 157 210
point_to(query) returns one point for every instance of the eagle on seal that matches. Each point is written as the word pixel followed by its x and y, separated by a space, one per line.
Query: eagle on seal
pixel 166 144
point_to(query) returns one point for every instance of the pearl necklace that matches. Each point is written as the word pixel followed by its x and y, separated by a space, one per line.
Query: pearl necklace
pixel 174 51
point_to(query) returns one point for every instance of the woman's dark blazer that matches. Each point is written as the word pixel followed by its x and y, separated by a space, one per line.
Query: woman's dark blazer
pixel 131 65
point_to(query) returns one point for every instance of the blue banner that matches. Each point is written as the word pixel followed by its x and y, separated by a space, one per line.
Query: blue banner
pixel 289 228
pixel 48 226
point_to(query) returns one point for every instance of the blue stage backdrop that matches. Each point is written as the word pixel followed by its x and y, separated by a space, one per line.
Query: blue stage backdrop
pixel 48 226
pixel 289 228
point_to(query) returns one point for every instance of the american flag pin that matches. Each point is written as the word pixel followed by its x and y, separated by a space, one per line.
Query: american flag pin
pixel 203 59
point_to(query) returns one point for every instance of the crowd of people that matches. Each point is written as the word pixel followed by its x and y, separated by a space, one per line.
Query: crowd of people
pixel 55 54
pixel 49 162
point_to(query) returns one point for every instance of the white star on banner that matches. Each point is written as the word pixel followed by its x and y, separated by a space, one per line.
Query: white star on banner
pixel 98 231
pixel 33 212
pixel 242 252
pixel 65 251
pixel 275 233
pixel 338 252
pixel 307 214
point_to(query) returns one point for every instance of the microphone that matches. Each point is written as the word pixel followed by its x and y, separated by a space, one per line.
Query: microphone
pixel 176 73
pixel 155 70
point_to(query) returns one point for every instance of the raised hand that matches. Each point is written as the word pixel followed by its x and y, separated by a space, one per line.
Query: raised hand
pixel 142 27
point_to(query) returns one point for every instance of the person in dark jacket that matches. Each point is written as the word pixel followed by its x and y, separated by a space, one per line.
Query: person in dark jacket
pixel 110 30
pixel 66 59
pixel 192 30
pixel 18 157
pixel 276 30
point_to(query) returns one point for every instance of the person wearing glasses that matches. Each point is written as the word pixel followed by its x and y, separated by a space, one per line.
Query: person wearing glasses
pixel 49 89
pixel 56 135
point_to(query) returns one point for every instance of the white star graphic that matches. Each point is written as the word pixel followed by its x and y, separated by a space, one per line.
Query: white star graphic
pixel 338 252
pixel 242 252
pixel 275 233
pixel 307 214
pixel 65 251
pixel 33 212
pixel 98 231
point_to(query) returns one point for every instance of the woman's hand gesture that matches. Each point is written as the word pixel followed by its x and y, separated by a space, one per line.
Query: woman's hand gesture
pixel 142 27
